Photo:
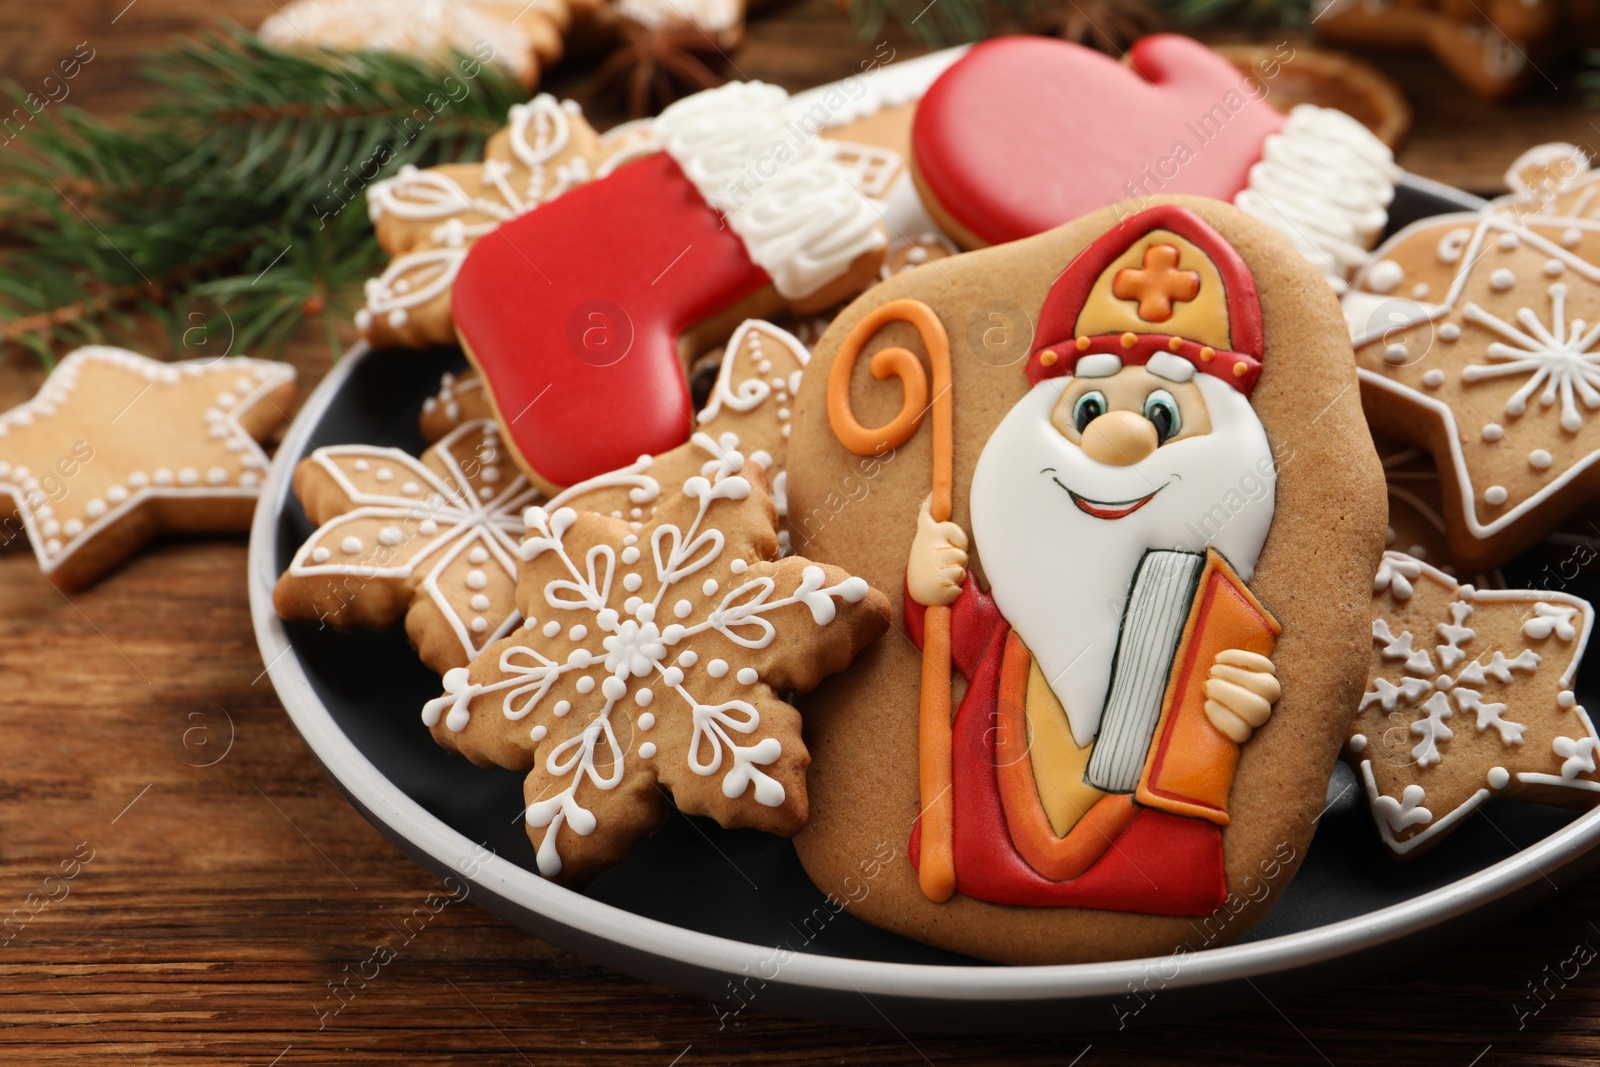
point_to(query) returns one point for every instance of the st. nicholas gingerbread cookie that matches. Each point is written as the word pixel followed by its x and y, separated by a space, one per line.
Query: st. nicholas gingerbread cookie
pixel 1134 544
pixel 117 449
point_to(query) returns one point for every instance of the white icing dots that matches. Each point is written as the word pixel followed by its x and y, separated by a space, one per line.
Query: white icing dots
pixel 710 587
pixel 747 676
pixel 1565 699
pixel 644 696
pixel 1419 291
pixel 1433 378
pixel 411 488
pixel 682 609
pixel 95 508
pixel 632 582
pixel 647 750
pixel 73 528
pixel 586 684
pixel 537 733
pixel 361 465
pixel 1501 280
pixel 1570 237
pixel 1498 777
pixel 427 527
pixel 216 476
pixel 479 625
pixel 1540 460
pixel 738 566
pixel 476 579
pixel 717 668
pixel 1396 353
pixel 630 555
pixel 1554 268
pixel 1358 743
pixel 562 707
pixel 552 628
pixel 480 602
pixel 1385 276
pixel 1493 431
pixel 647 720
pixel 478 556
pixel 162 476
pixel 578 632
pixel 321 554
pixel 1508 242
pixel 384 474
pixel 138 479
pixel 390 535
pixel 1495 495
pixel 350 545
pixel 1449 331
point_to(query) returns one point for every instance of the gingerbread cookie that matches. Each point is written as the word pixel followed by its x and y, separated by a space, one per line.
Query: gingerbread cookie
pixel 518 36
pixel 434 540
pixel 1504 660
pixel 1551 179
pixel 429 219
pixel 1317 176
pixel 117 449
pixel 738 214
pixel 460 399
pixel 1493 373
pixel 655 657
pixel 1125 516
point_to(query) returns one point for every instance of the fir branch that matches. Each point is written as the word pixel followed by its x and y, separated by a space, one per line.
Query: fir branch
pixel 239 187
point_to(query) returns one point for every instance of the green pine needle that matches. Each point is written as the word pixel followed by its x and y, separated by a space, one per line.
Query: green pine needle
pixel 230 206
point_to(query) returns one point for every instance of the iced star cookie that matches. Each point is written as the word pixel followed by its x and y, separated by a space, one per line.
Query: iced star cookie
pixel 600 296
pixel 1494 372
pixel 1176 118
pixel 1126 545
pixel 433 540
pixel 518 36
pixel 653 657
pixel 1469 697
pixel 429 219
pixel 117 449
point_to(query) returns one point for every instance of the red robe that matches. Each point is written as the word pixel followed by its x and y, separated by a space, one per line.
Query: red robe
pixel 1160 864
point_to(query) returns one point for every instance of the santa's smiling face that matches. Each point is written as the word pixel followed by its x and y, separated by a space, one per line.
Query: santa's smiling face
pixel 1087 473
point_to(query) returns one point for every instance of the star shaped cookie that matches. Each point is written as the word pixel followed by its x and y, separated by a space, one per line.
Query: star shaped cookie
pixel 1496 373
pixel 117 449
pixel 1469 697
pixel 655 655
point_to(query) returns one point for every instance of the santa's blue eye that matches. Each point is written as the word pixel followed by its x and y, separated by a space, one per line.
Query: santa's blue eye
pixel 1090 406
pixel 1161 409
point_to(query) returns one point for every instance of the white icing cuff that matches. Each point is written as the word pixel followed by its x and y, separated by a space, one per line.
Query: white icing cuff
pixel 1098 365
pixel 776 182
pixel 1325 183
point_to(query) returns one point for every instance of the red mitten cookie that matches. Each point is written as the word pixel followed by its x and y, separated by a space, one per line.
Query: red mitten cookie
pixel 1026 133
pixel 595 297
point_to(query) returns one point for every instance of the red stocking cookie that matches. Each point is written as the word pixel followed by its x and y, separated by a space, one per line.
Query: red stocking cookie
pixel 593 297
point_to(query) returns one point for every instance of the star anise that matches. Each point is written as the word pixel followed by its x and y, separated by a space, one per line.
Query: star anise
pixel 1108 26
pixel 653 67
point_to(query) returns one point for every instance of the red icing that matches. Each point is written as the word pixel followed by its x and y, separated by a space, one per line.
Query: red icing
pixel 1161 864
pixel 642 239
pixel 1025 133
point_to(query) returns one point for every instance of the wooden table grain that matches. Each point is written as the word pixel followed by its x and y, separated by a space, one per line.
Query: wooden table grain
pixel 223 888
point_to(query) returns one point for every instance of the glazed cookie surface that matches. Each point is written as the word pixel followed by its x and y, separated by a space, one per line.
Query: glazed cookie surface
pixel 1139 583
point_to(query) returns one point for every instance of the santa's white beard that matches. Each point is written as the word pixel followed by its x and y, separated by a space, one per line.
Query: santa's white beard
pixel 1060 576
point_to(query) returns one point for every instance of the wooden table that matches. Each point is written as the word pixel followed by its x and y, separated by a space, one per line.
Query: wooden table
pixel 222 900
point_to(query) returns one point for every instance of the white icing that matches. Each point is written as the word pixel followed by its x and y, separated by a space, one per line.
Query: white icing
pixel 712 16
pixel 781 191
pixel 1325 183
pixel 631 645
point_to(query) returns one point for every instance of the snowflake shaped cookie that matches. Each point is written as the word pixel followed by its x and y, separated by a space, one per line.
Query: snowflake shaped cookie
pixel 434 539
pixel 117 449
pixel 429 219
pixel 1468 697
pixel 1497 374
pixel 655 655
